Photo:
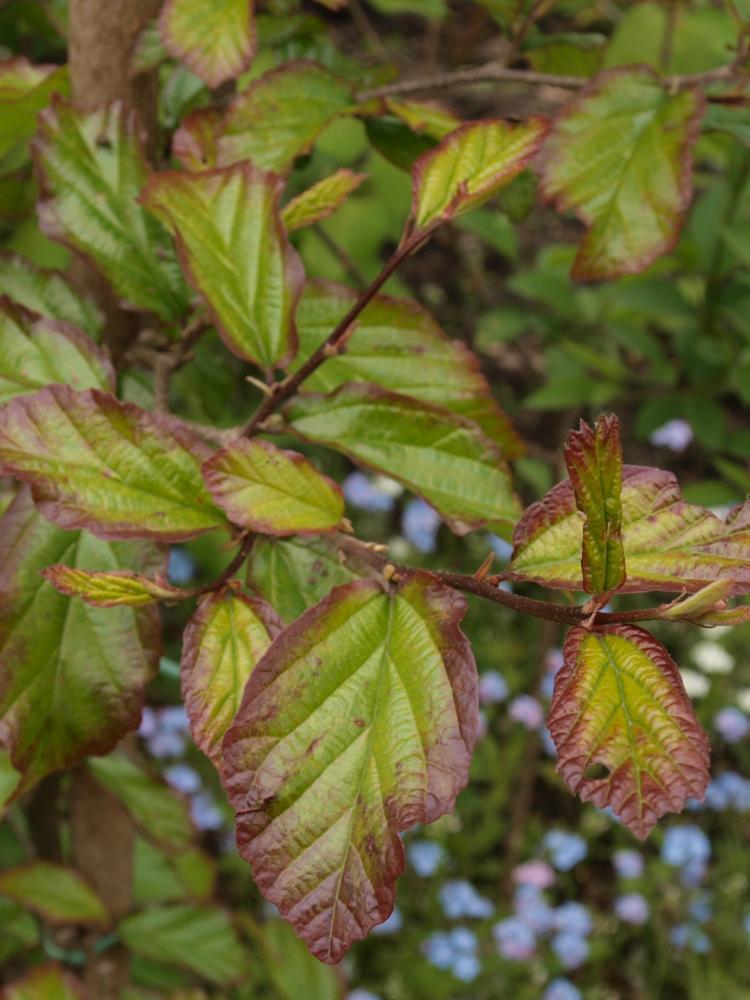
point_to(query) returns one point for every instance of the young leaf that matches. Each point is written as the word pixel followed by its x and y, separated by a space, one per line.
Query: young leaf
pixel 214 38
pixel 45 982
pixel 75 686
pixel 57 894
pixel 109 590
pixel 25 90
pixel 470 165
pixel 199 938
pixel 357 723
pixel 320 200
pixel 235 251
pixel 195 143
pixel 620 156
pixel 36 354
pixel 47 293
pixel 158 811
pixel 92 171
pixel 424 116
pixel 295 573
pixel 619 702
pixel 434 453
pixel 222 644
pixel 107 466
pixel 594 461
pixel 668 544
pixel 280 115
pixel 271 491
pixel 399 346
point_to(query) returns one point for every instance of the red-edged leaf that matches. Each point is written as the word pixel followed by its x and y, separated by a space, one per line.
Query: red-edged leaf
pixel 320 200
pixel 48 294
pixel 195 143
pixel 669 544
pixel 594 461
pixel 45 982
pixel 106 466
pixel 222 644
pixel 272 491
pixel 109 590
pixel 620 156
pixel 357 723
pixel 25 90
pixel 619 702
pixel 71 676
pixel 236 254
pixel 214 38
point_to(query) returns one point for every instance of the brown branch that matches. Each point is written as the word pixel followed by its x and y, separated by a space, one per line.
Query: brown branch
pixel 240 556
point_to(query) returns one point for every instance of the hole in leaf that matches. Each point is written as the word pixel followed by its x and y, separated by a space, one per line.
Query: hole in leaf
pixel 595 772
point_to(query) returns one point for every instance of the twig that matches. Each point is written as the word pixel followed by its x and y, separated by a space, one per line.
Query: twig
pixel 281 391
pixel 240 556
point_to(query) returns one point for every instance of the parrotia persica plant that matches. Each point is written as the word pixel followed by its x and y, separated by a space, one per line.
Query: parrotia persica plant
pixel 337 729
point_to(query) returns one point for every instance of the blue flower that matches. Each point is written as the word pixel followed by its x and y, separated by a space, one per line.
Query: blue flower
pixel 362 995
pixel 572 949
pixel 515 939
pixel 392 925
pixel 180 567
pixel 548 743
pixel 438 950
pixel 183 778
pixel 628 863
pixel 565 849
pixel 746 924
pixel 675 435
pixel 425 856
pixel 701 909
pixel 574 918
pixel 632 908
pixel 456 951
pixel 685 844
pixel 464 939
pixel 361 492
pixel 493 688
pixel 735 789
pixel 466 968
pixel 502 549
pixel 205 813
pixel 732 724
pixel 561 989
pixel 533 909
pixel 687 936
pixel 526 710
pixel 459 898
pixel 420 524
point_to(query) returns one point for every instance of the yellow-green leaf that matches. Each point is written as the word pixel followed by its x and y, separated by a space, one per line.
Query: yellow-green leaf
pixel 320 200
pixel 108 590
pixel 214 38
pixel 56 893
pixel 25 90
pixel 45 982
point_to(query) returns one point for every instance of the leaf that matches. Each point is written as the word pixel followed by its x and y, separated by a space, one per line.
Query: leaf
pixel 110 590
pixel 729 118
pixel 58 894
pixel 620 157
pixel 669 544
pixel 158 811
pixel 47 293
pixel 236 254
pixel 619 702
pixel 471 164
pixel 107 466
pixel 431 451
pixel 296 573
pixel 281 114
pixel 25 90
pixel 221 646
pixel 195 143
pixel 45 982
pixel 594 461
pixel 199 938
pixel 358 723
pixel 320 200
pixel 74 686
pixel 271 491
pixel 424 116
pixel 706 601
pixel 164 877
pixel 214 38
pixel 92 170
pixel 399 346
pixel 36 354
pixel 292 970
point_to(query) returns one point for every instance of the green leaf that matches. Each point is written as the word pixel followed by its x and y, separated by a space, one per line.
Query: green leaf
pixel 195 143
pixel 399 346
pixel 594 461
pixel 25 90
pixel 235 251
pixel 471 164
pixel 45 982
pixel 320 200
pixel 222 643
pixel 669 544
pixel 358 723
pixel 110 590
pixel 57 894
pixel 272 491
pixel 20 930
pixel 214 38
pixel 35 354
pixel 199 938
pixel 296 573
pixel 161 877
pixel 47 293
pixel 620 157
pixel 158 811
pixel 424 116
pixel 431 451
pixel 9 778
pixel 107 466
pixel 281 114
pixel 92 170
pixel 619 702
pixel 292 970
pixel 729 118
pixel 398 143
pixel 75 686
